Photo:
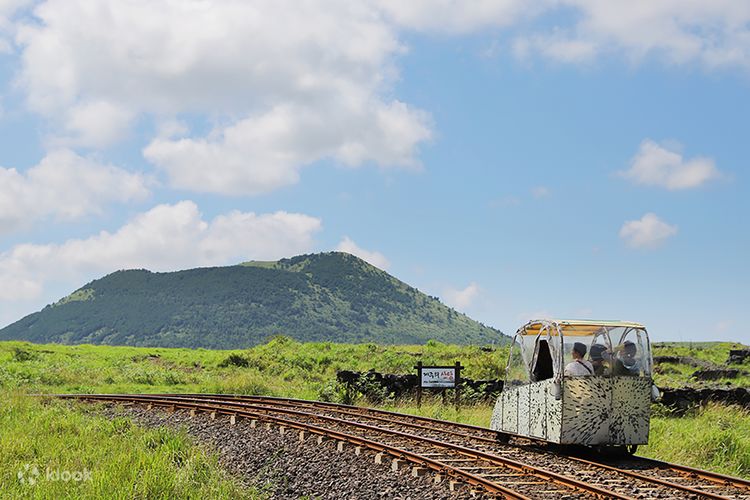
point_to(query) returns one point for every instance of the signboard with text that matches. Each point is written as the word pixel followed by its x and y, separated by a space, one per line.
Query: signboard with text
pixel 439 377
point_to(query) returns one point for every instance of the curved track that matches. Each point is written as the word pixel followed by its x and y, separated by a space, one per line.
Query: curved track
pixel 463 453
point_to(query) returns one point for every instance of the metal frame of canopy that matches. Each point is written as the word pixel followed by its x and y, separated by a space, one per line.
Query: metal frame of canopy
pixel 561 328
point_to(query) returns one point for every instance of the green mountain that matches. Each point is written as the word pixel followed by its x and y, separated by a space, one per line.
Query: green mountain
pixel 320 297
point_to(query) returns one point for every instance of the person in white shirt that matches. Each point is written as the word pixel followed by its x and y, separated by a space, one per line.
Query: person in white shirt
pixel 579 367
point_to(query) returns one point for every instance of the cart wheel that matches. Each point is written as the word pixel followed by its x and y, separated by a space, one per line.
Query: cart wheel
pixel 631 449
pixel 502 438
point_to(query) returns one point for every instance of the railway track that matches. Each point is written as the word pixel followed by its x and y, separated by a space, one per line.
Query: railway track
pixel 459 453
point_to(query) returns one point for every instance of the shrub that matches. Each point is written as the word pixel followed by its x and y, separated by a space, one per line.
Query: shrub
pixel 23 355
pixel 235 360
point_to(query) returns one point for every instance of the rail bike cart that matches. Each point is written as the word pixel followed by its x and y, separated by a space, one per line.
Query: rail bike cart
pixel 604 404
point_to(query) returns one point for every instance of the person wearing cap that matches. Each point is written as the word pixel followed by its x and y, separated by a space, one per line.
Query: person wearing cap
pixel 579 367
pixel 626 363
pixel 600 359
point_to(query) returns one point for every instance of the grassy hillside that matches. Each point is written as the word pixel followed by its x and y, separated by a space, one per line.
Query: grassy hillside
pixel 322 297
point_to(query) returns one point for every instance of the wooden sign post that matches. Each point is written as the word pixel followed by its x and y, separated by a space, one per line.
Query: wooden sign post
pixel 440 378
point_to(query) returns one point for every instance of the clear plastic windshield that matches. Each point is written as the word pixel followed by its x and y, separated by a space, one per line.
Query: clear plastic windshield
pixel 517 372
pixel 621 351
pixel 618 351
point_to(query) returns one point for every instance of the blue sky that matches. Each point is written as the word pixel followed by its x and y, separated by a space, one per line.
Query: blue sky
pixel 557 158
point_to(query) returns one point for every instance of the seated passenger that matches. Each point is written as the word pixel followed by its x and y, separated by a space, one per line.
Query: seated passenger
pixel 626 363
pixel 579 367
pixel 600 359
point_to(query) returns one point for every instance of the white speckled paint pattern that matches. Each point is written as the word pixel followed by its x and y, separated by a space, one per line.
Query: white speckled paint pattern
pixel 593 410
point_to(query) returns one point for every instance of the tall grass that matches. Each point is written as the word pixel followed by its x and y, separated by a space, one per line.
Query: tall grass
pixel 111 458
pixel 716 438
pixel 282 367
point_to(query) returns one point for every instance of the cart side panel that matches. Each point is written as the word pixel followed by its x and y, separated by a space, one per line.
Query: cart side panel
pixel 611 411
pixel 631 410
pixel 587 404
pixel 510 410
pixel 523 409
pixel 496 424
pixel 538 409
pixel 554 410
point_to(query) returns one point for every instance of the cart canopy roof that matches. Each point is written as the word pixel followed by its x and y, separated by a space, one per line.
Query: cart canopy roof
pixel 573 327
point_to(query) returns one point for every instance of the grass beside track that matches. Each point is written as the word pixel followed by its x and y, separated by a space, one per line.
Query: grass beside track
pixel 107 458
pixel 715 438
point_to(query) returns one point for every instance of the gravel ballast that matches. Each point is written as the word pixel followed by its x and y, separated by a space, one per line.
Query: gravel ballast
pixel 282 466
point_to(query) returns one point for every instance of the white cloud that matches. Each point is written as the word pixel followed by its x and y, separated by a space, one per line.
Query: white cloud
pixel 64 185
pixel 461 299
pixel 377 259
pixel 459 16
pixel 647 232
pixel 166 238
pixel 540 192
pixel 8 9
pixel 265 152
pixel 714 33
pixel 96 124
pixel 656 165
pixel 285 83
pixel 555 47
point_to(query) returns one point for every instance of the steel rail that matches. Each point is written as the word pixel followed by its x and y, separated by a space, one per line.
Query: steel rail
pixel 347 410
pixel 737 482
pixel 228 406
pixel 360 411
pixel 339 405
pixel 635 475
pixel 650 479
pixel 436 465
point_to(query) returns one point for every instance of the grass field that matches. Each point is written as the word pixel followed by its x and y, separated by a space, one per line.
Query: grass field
pixel 62 451
pixel 710 353
pixel 165 464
